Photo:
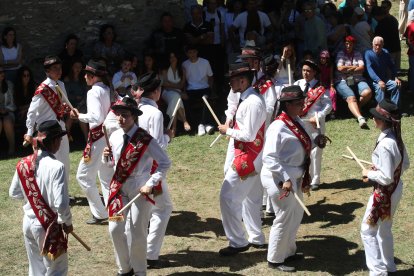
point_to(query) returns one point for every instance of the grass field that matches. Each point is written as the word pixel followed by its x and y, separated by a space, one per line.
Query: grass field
pixel 329 238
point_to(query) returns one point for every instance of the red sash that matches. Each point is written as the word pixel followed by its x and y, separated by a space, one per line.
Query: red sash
pixel 157 189
pixel 52 99
pixel 56 241
pixel 262 85
pixel 246 152
pixel 94 135
pixel 381 206
pixel 305 140
pixel 312 97
pixel 127 162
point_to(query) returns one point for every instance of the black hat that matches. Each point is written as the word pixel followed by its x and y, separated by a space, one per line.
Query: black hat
pixel 312 64
pixel 127 103
pixel 51 60
pixel 237 69
pixel 291 93
pixel 148 82
pixel 251 52
pixel 386 110
pixel 49 130
pixel 271 64
pixel 97 68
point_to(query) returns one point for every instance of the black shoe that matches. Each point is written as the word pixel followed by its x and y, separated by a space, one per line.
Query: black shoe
pixel 263 207
pixel 298 256
pixel 281 267
pixel 97 221
pixel 258 246
pixel 270 214
pixel 230 251
pixel 131 273
pixel 157 264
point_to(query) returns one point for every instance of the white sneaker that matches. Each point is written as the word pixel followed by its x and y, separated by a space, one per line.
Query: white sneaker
pixel 362 123
pixel 201 130
pixel 209 129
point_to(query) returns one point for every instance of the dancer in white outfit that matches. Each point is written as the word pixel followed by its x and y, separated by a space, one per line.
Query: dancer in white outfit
pixel 241 192
pixel 390 160
pixel 40 181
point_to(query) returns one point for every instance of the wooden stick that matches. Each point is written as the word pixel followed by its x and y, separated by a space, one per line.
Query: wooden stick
pixel 64 98
pixel 301 203
pixel 290 77
pixel 174 113
pixel 318 126
pixel 81 241
pixel 107 141
pixel 211 110
pixel 355 158
pixel 215 140
pixel 129 204
pixel 362 161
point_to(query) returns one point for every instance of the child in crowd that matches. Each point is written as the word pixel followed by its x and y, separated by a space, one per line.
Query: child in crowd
pixel 124 78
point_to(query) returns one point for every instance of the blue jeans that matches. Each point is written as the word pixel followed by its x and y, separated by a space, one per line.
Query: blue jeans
pixel 348 91
pixel 391 91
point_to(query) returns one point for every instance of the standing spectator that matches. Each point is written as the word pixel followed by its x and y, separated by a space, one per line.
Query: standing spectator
pixel 409 35
pixel 349 77
pixel 166 39
pixel 337 33
pixel 361 30
pixel 199 78
pixel 24 89
pixel 76 88
pixel 326 77
pixel 11 54
pixel 124 79
pixel 251 20
pixel 108 49
pixel 188 5
pixel 70 54
pixel 173 84
pixel 387 28
pixel 7 108
pixel 402 17
pixel 379 62
pixel 234 9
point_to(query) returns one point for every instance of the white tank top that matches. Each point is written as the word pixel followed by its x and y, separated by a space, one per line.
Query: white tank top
pixel 10 54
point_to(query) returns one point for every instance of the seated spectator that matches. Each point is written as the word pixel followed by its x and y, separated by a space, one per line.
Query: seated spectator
pixel 199 77
pixel 107 48
pixel 7 109
pixel 24 89
pixel 173 84
pixel 326 77
pixel 11 54
pixel 135 65
pixel 76 89
pixel 150 63
pixel 125 78
pixel 361 30
pixel 409 35
pixel 69 54
pixel 349 80
pixel 379 63
pixel 234 9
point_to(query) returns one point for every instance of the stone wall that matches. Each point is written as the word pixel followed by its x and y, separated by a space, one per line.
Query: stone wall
pixel 42 25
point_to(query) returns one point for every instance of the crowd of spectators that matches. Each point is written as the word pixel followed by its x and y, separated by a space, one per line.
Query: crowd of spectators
pixel 192 59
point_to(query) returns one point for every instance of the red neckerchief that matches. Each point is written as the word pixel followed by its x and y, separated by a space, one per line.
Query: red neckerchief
pixel 381 206
pixel 52 99
pixel 312 97
pixel 127 162
pixel 94 135
pixel 56 241
pixel 263 84
pixel 304 139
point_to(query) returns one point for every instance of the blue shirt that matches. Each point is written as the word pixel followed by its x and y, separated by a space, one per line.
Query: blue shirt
pixel 410 5
pixel 377 65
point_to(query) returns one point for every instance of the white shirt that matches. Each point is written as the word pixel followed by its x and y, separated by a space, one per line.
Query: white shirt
pixel 50 178
pixel 217 22
pixel 143 168
pixel 40 111
pixel 197 73
pixel 240 23
pixel 98 103
pixel 283 153
pixel 386 158
pixel 117 82
pixel 152 121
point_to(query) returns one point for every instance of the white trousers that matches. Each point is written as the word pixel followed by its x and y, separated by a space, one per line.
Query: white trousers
pixel 378 240
pixel 160 215
pixel 133 255
pixel 282 238
pixel 34 236
pixel 105 176
pixel 316 153
pixel 86 177
pixel 63 156
pixel 241 200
